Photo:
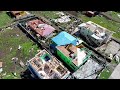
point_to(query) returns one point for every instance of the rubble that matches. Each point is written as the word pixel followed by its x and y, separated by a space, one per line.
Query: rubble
pixel 38 50
pixel 116 73
pixel 63 19
pixel 117 59
pixel 19 47
pixel 21 64
pixel 14 74
pixel 17 35
pixel 118 15
pixel 118 54
pixel 10 49
pixel 4 74
pixel 60 13
pixel 9 28
pixel 112 48
pixel 15 59
pixel 88 70
pixel 111 56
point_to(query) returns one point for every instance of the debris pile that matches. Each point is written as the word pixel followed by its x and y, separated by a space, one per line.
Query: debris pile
pixel 88 71
pixel 63 18
pixel 19 47
pixel 112 49
pixel 22 64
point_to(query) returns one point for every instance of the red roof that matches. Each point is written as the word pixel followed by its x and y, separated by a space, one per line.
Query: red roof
pixel 40 27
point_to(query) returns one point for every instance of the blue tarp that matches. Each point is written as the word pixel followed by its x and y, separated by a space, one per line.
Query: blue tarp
pixel 64 38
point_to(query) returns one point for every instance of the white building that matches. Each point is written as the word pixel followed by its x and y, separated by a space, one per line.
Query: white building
pixel 93 33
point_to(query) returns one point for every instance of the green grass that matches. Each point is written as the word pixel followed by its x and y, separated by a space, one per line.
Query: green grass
pixel 46 14
pixel 52 15
pixel 11 76
pixel 8 39
pixel 113 14
pixel 4 19
pixel 105 74
pixel 113 62
pixel 26 47
pixel 111 25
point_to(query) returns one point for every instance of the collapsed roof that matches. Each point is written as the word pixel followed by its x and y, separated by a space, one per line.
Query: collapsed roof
pixel 40 27
pixel 88 71
pixel 98 31
pixel 77 55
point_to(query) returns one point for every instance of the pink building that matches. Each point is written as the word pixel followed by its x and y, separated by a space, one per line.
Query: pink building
pixel 40 27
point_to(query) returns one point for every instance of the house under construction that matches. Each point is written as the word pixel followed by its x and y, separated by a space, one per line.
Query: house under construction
pixel 45 66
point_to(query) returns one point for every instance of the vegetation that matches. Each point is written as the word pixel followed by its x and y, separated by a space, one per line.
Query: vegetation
pixel 4 19
pixel 46 14
pixel 11 39
pixel 114 14
pixel 105 74
pixel 10 76
pixel 111 25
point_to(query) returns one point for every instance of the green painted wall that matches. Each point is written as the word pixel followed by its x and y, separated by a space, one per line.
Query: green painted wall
pixel 67 60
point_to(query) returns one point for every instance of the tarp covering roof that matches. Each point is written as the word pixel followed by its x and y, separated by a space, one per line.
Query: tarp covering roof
pixel 64 38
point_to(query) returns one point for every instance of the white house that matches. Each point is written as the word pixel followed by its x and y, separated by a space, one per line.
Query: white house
pixel 93 33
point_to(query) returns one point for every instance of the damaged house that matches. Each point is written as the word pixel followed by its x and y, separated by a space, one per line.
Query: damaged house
pixel 45 66
pixel 42 29
pixel 70 50
pixel 19 14
pixel 93 33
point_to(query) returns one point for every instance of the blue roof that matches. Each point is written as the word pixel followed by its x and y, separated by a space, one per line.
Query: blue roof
pixel 64 38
